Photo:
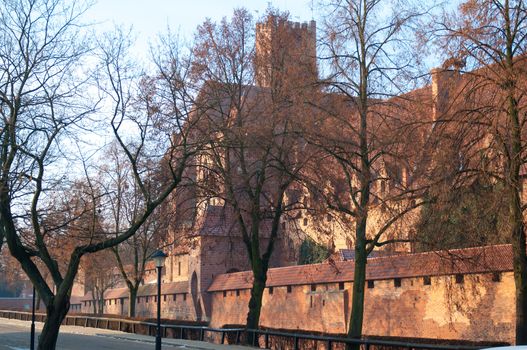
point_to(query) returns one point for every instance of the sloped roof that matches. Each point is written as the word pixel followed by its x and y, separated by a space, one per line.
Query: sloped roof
pixel 349 254
pixel 496 258
pixel 145 290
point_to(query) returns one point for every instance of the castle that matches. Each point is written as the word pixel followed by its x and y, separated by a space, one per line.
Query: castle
pixel 409 294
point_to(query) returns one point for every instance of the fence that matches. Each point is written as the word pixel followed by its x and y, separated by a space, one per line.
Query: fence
pixel 266 338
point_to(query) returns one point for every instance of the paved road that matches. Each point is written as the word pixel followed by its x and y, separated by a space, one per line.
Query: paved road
pixel 14 335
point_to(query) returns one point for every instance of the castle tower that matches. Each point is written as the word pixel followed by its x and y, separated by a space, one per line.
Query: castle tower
pixel 285 53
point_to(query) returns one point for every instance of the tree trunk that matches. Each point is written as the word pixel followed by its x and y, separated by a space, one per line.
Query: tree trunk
pixel 55 312
pixel 94 304
pixel 255 303
pixel 513 166
pixel 359 282
pixel 520 278
pixel 132 294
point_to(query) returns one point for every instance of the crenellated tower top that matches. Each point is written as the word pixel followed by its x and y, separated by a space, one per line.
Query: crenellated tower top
pixel 285 53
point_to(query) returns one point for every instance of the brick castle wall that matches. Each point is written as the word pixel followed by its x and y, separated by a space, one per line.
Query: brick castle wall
pixel 478 309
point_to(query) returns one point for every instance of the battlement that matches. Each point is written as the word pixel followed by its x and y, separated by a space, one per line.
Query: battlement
pixel 296 41
pixel 273 22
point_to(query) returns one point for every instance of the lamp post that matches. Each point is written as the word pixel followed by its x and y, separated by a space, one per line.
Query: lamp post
pixel 159 259
pixel 32 347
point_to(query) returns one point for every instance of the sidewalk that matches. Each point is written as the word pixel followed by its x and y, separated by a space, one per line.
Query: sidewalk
pixel 98 335
pixel 193 344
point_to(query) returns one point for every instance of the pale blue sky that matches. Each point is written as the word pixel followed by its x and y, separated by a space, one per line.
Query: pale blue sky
pixel 150 17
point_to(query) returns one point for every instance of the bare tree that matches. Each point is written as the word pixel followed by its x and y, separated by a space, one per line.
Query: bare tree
pixel 250 162
pixel 486 40
pixel 44 107
pixel 362 127
pixel 100 276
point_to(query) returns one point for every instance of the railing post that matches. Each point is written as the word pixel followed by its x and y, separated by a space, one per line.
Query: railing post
pixel 201 334
pixel 237 337
pixel 223 337
pixel 329 344
pixel 296 343
pixel 267 340
pixel 181 333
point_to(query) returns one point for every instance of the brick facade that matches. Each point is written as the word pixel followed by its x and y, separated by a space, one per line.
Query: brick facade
pixel 471 301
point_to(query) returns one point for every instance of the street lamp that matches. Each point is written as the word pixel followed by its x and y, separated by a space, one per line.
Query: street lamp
pixel 159 259
pixel 32 345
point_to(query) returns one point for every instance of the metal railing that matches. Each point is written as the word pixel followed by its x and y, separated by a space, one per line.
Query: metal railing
pixel 257 338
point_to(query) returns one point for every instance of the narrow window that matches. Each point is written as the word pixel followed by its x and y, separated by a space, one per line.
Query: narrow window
pixel 237 292
pixel 270 290
pixel 313 287
pixel 174 297
pixel 179 268
pixel 496 277
pixel 427 280
pixel 341 285
pixel 165 297
pixel 371 284
pixel 184 296
pixel 397 282
pixel 224 293
pixel 288 289
pixel 147 300
pixel 460 278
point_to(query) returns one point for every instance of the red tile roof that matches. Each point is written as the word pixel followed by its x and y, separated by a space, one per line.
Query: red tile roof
pixel 495 258
pixel 147 289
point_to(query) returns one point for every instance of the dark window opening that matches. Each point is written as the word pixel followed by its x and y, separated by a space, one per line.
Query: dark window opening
pixel 341 285
pixel 174 297
pixel 146 300
pixel 288 289
pixel 270 290
pixel 165 297
pixel 179 268
pixel 397 282
pixel 313 287
pixel 224 293
pixel 237 292
pixel 427 280
pixel 496 277
pixel 371 284
pixel 184 296
pixel 460 278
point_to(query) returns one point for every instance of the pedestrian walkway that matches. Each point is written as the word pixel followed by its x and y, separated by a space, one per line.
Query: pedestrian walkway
pixel 14 335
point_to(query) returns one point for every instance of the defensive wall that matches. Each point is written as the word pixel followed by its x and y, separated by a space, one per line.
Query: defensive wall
pixel 460 294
